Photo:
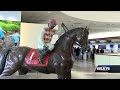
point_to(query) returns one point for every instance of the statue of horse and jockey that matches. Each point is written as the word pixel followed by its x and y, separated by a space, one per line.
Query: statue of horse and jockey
pixel 57 58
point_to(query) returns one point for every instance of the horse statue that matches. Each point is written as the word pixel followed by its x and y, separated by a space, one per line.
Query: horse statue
pixel 5 48
pixel 59 61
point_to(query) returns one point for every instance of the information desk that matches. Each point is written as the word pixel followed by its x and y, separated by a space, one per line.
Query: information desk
pixel 107 59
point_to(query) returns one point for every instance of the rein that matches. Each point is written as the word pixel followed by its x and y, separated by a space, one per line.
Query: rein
pixel 66 29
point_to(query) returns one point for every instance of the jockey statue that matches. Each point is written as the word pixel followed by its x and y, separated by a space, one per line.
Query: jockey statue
pixel 44 45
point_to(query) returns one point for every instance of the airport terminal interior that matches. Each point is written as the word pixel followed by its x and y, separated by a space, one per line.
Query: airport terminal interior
pixel 103 47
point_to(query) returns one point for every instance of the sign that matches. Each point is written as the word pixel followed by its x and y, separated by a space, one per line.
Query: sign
pixel 108 68
pixel 102 69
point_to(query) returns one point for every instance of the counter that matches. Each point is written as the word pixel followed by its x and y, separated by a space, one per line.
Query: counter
pixel 107 59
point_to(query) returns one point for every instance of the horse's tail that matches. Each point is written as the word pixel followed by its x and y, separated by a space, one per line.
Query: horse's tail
pixel 3 60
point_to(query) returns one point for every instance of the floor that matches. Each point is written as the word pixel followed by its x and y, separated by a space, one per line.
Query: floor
pixel 82 69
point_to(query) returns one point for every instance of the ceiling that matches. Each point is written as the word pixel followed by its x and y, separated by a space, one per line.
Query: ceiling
pixel 71 20
pixel 101 16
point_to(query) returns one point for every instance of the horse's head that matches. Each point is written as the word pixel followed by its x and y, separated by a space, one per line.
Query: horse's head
pixel 79 35
pixel 82 38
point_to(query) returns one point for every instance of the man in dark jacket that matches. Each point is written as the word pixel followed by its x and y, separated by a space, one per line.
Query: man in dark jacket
pixel 93 52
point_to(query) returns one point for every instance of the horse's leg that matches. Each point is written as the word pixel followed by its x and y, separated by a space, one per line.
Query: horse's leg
pixel 2 65
pixel 65 75
pixel 68 74
pixel 60 73
pixel 23 71
pixel 61 76
pixel 9 69
pixel 3 61
pixel 11 66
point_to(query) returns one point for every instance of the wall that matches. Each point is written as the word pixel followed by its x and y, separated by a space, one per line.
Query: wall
pixel 115 46
pixel 104 32
pixel 30 34
pixel 107 59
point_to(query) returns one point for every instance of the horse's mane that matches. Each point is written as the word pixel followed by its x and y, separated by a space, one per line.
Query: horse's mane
pixel 61 38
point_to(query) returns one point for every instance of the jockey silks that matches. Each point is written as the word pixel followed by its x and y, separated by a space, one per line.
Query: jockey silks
pixel 45 38
pixel 48 34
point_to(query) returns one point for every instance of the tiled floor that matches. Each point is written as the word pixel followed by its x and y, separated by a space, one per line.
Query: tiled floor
pixel 83 69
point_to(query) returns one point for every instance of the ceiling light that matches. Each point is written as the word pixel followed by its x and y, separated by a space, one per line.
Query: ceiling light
pixel 49 12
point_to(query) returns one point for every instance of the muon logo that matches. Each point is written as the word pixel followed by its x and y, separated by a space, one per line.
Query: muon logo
pixel 103 68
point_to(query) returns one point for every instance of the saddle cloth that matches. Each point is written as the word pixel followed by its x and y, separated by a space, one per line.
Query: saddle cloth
pixel 32 58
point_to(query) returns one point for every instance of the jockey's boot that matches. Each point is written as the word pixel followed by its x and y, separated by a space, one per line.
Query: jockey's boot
pixel 42 55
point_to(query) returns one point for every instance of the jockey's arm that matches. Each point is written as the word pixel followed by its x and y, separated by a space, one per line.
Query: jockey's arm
pixel 42 36
pixel 50 46
pixel 41 42
pixel 57 31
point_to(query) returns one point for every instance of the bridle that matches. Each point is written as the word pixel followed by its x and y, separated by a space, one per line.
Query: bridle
pixel 66 29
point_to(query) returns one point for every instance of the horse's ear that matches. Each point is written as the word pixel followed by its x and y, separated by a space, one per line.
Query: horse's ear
pixel 62 24
pixel 86 28
pixel 64 27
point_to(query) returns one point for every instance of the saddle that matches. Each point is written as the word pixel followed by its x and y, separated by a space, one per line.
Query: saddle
pixel 32 58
